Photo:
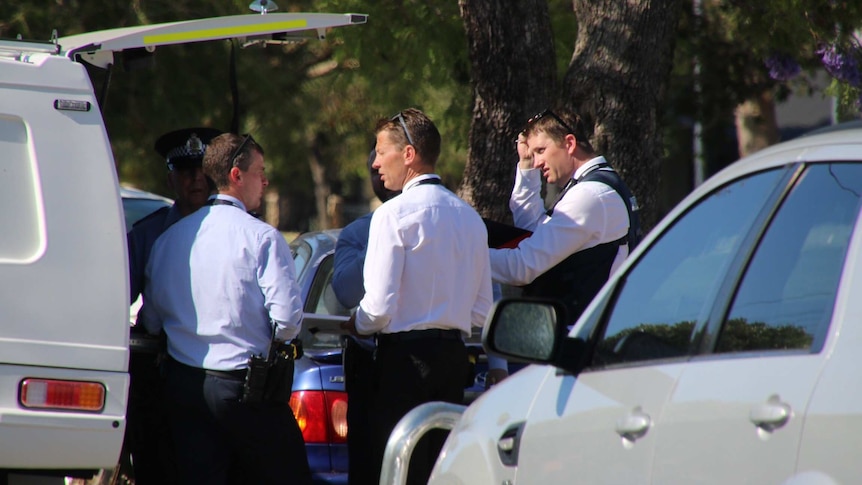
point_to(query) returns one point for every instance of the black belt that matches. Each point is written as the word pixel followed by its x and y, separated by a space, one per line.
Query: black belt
pixel 429 334
pixel 236 375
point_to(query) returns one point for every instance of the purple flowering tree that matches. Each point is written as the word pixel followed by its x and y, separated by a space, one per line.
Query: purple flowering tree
pixel 754 54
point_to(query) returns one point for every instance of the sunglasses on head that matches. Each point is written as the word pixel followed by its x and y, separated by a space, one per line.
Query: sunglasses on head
pixel 553 115
pixel 245 139
pixel 404 127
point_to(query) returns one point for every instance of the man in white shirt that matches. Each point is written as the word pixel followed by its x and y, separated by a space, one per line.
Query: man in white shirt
pixel 221 284
pixel 427 281
pixel 585 235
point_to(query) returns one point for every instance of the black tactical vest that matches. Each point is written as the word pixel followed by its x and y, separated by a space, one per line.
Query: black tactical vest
pixel 578 278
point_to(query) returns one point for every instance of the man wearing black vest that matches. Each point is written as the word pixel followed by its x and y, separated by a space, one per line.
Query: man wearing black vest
pixel 588 231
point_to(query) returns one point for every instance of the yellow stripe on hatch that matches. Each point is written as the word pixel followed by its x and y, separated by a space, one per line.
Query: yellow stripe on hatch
pixel 224 32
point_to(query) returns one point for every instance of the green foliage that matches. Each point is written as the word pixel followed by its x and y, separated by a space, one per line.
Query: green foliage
pixel 738 335
pixel 677 335
pixel 410 54
pixel 319 100
pixel 739 35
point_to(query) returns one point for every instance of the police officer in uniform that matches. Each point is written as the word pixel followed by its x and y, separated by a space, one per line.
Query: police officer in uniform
pixel 146 437
pixel 183 150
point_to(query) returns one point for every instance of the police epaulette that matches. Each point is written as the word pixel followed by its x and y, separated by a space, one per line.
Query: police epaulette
pixel 151 215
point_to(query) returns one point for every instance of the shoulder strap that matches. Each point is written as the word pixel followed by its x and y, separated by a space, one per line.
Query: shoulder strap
pixel 612 179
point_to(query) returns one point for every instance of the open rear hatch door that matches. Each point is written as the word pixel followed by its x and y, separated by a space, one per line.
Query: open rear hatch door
pixel 98 48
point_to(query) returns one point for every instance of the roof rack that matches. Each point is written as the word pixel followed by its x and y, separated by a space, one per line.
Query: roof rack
pixel 19 46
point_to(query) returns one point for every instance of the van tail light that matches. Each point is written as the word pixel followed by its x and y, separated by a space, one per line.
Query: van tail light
pixel 321 415
pixel 51 394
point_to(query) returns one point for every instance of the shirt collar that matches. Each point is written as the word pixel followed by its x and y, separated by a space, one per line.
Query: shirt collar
pixel 230 198
pixel 587 166
pixel 415 180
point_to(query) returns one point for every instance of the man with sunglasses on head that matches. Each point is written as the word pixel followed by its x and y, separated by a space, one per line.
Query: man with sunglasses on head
pixel 427 283
pixel 587 232
pixel 146 437
pixel 221 284
pixel 358 353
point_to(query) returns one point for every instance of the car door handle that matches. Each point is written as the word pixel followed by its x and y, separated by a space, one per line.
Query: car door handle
pixel 634 425
pixel 770 415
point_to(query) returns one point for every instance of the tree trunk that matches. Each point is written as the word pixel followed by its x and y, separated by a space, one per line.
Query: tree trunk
pixel 513 67
pixel 756 123
pixel 322 190
pixel 616 82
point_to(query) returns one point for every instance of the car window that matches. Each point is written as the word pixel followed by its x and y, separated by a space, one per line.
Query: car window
pixel 671 286
pixel 137 209
pixel 786 297
pixel 321 297
pixel 301 255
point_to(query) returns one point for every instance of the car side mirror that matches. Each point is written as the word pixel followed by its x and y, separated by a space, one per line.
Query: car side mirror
pixel 533 331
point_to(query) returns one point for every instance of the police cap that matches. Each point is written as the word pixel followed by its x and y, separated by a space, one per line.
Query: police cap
pixel 185 148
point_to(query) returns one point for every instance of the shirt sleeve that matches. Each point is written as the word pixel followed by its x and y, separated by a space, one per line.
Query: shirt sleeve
pixel 347 281
pixel 578 223
pixel 277 280
pixel 485 297
pixel 526 200
pixel 383 269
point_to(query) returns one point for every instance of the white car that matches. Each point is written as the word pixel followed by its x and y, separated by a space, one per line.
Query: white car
pixel 727 349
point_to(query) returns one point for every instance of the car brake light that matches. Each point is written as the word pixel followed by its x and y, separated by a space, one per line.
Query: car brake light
pixel 63 395
pixel 337 404
pixel 321 415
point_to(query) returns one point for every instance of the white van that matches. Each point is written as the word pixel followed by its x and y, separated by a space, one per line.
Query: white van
pixel 64 381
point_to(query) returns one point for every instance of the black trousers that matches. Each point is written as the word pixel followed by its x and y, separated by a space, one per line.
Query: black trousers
pixel 410 373
pixel 147 436
pixel 359 383
pixel 219 440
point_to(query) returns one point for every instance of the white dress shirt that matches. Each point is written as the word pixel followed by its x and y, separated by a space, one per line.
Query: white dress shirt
pixel 216 280
pixel 427 264
pixel 590 213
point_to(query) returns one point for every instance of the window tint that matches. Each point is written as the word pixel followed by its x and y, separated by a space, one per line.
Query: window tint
pixel 786 296
pixel 672 285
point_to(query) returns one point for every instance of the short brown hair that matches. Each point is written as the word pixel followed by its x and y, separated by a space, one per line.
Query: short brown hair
pixel 557 124
pixel 221 156
pixel 418 130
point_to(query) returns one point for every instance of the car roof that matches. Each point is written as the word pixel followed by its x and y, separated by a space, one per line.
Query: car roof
pixel 838 143
pixel 127 192
pixel 324 240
